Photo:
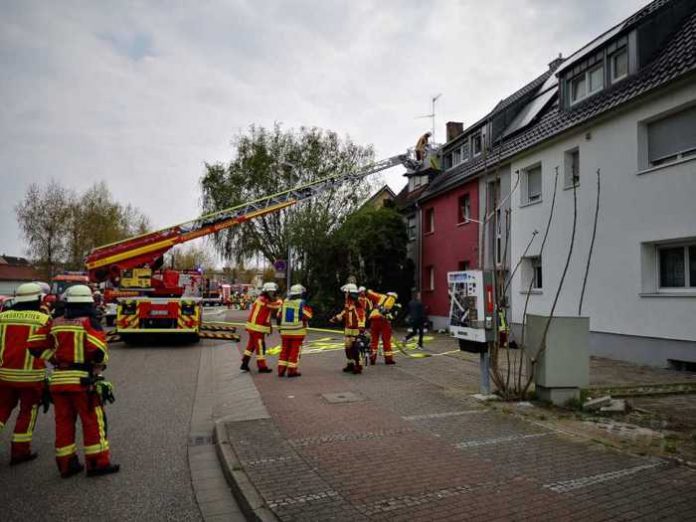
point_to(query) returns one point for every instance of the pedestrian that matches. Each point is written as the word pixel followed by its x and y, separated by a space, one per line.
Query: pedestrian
pixel 21 374
pixel 79 353
pixel 353 318
pixel 264 309
pixel 380 324
pixel 416 319
pixel 294 316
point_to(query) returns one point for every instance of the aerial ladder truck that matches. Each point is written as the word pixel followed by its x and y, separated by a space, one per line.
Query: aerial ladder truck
pixel 152 302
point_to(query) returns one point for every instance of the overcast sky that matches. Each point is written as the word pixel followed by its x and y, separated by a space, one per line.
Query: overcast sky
pixel 141 94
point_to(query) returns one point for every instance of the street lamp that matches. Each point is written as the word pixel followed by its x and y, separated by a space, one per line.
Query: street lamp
pixel 288 265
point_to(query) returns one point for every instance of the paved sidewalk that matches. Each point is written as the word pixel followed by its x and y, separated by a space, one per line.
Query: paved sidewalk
pixel 408 443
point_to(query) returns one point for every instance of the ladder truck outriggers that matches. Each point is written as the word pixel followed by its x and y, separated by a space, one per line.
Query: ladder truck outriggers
pixel 153 301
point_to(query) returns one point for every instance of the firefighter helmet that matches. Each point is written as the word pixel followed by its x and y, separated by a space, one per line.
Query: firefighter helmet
pixel 27 292
pixel 297 290
pixel 79 294
pixel 350 288
pixel 393 294
pixel 269 287
pixel 362 289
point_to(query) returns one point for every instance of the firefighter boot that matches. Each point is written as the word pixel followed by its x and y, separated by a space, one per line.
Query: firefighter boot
pixel 281 371
pixel 357 369
pixel 245 363
pixel 73 467
pixel 389 360
pixel 373 359
pixel 262 366
pixel 350 367
pixel 105 470
pixel 293 373
pixel 19 459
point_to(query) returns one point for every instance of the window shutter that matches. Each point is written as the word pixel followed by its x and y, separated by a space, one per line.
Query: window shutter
pixel 672 135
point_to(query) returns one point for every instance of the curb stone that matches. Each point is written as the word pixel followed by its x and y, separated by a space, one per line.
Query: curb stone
pixel 249 499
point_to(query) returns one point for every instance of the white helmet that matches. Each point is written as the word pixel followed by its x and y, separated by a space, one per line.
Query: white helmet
pixel 79 294
pixel 297 290
pixel 362 289
pixel 45 287
pixel 269 287
pixel 393 294
pixel 27 292
pixel 350 288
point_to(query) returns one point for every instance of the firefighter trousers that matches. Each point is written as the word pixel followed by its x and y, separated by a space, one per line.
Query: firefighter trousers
pixel 68 405
pixel 256 344
pixel 289 355
pixel 381 328
pixel 29 398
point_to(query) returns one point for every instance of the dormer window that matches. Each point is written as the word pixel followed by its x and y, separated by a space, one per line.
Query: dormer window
pixel 476 144
pixel 618 63
pixel 587 83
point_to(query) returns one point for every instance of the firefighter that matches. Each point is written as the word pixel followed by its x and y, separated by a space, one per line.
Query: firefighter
pixel 353 318
pixel 264 309
pixel 22 375
pixel 294 315
pixel 79 353
pixel 422 145
pixel 380 324
pixel 364 301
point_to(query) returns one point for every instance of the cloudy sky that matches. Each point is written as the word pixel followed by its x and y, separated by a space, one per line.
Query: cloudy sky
pixel 141 94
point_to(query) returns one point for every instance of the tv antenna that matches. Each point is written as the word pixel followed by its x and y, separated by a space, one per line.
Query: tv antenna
pixel 432 113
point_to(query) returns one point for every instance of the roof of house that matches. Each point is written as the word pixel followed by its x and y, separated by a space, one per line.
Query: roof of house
pixel 405 198
pixel 377 195
pixel 676 60
pixel 527 89
pixel 11 260
pixel 18 273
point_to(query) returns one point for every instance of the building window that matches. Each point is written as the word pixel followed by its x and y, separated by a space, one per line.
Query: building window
pixel 463 265
pixel 476 144
pixel 532 274
pixel 456 157
pixel 430 220
pixel 672 138
pixel 677 266
pixel 618 63
pixel 464 209
pixel 587 83
pixel 531 190
pixel 571 172
pixel 465 152
pixel 412 228
pixel 430 277
pixel 448 161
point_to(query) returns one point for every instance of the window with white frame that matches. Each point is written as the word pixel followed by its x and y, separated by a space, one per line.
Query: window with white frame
pixel 571 173
pixel 456 157
pixel 676 266
pixel 531 189
pixel 430 277
pixel 532 276
pixel 618 65
pixel 464 209
pixel 587 83
pixel 476 144
pixel 672 138
pixel 465 151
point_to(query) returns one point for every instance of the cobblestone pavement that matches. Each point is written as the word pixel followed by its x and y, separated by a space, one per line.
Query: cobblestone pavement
pixel 408 443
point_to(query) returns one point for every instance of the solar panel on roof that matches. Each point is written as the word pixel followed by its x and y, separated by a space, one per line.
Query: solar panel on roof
pixel 534 107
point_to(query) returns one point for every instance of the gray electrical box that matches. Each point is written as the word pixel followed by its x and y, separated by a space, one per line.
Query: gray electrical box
pixel 564 367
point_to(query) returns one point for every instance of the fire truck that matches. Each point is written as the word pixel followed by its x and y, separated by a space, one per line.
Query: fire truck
pixel 152 300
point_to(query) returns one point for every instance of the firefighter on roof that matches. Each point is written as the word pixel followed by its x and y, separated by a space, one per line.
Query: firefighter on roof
pixel 258 325
pixel 76 346
pixel 294 315
pixel 21 375
pixel 353 318
pixel 383 306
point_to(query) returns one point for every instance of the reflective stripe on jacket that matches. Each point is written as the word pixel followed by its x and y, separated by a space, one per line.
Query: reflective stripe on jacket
pixel 353 317
pixel 293 318
pixel 262 311
pixel 18 329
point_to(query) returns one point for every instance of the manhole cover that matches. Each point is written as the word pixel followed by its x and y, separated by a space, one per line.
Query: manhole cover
pixel 335 398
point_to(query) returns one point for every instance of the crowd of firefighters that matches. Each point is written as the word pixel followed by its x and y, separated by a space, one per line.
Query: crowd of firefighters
pixel 362 308
pixel 74 344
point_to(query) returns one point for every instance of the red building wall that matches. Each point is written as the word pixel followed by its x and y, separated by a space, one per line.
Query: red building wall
pixel 448 245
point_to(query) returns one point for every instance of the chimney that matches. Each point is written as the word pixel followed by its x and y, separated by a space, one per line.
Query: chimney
pixel 556 62
pixel 454 129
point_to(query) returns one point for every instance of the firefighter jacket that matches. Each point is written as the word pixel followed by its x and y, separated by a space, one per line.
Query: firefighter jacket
pixel 19 328
pixel 262 312
pixel 381 304
pixel 353 317
pixel 76 345
pixel 294 315
pixel 365 303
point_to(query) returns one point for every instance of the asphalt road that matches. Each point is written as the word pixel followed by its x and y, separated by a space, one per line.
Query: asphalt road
pixel 148 430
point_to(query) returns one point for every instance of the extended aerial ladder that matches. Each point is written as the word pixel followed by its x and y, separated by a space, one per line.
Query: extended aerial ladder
pixel 128 264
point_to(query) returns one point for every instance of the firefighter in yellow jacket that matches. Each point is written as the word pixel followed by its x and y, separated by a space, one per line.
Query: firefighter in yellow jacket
pixel 383 306
pixel 294 316
pixel 22 375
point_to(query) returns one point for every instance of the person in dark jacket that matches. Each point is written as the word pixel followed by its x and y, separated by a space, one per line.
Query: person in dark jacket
pixel 416 319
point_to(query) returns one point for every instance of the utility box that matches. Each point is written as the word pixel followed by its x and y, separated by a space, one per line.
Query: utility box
pixel 472 309
pixel 564 366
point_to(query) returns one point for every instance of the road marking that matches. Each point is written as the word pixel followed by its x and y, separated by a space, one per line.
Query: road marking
pixel 347 437
pixel 441 415
pixel 583 482
pixel 498 440
pixel 289 501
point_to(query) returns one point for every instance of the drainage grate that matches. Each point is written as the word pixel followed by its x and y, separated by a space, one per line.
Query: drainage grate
pixel 337 398
pixel 200 440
